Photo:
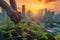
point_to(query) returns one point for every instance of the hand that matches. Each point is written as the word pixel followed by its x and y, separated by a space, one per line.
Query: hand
pixel 14 15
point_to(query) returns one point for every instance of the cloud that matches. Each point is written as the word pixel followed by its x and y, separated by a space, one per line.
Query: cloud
pixel 50 0
pixel 40 0
pixel 46 1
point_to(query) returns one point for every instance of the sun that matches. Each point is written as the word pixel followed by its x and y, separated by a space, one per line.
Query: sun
pixel 35 7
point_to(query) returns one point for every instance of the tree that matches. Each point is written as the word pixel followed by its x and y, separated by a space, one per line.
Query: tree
pixel 11 10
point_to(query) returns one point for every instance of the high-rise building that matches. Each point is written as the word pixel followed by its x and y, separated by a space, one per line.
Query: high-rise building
pixel 48 17
pixel 29 13
pixel 40 15
pixel 23 10
pixel 25 18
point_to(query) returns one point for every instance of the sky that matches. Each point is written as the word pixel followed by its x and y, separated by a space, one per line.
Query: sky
pixel 35 5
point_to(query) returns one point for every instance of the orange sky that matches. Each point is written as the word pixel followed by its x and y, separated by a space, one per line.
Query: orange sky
pixel 35 5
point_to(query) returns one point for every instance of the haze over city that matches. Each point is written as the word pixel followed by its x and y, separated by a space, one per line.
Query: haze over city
pixel 35 5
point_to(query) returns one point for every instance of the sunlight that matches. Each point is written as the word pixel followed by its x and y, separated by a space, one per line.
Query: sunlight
pixel 35 7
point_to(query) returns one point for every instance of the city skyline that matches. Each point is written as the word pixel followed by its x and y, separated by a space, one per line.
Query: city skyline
pixel 35 5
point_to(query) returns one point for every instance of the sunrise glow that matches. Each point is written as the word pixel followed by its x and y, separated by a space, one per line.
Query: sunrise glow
pixel 35 5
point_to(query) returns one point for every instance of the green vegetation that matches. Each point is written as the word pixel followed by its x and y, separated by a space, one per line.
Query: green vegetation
pixel 57 37
pixel 25 28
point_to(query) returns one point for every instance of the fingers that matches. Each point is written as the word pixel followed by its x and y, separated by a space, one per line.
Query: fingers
pixel 16 18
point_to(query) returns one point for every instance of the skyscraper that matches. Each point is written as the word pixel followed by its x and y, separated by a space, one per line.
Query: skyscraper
pixel 23 10
pixel 29 13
